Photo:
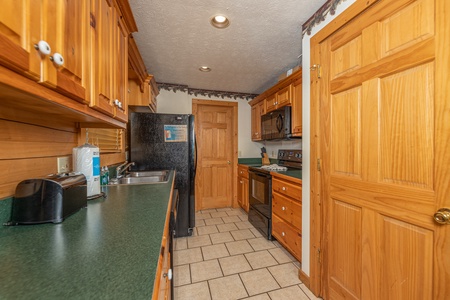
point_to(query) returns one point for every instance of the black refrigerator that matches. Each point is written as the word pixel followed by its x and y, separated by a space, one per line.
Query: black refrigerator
pixel 167 141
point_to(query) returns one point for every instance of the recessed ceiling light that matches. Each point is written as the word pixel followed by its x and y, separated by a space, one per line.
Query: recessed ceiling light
pixel 205 69
pixel 220 21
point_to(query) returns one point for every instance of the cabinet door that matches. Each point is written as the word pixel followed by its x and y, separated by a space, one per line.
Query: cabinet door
pixel 121 71
pixel 284 96
pixel 19 31
pixel 102 51
pixel 65 24
pixel 271 103
pixel 256 123
pixel 245 203
pixel 296 112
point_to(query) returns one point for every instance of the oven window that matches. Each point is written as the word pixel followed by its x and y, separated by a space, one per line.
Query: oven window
pixel 258 190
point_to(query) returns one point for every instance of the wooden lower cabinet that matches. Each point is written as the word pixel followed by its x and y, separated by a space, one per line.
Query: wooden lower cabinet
pixel 162 285
pixel 242 181
pixel 287 214
pixel 288 236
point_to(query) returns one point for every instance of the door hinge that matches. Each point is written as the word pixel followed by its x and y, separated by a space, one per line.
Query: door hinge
pixel 317 68
pixel 318 164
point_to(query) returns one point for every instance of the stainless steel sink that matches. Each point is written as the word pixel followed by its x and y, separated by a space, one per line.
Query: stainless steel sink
pixel 148 173
pixel 143 177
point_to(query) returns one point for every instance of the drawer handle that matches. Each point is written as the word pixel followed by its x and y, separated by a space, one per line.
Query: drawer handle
pixel 283 208
pixel 283 234
pixel 168 274
pixel 283 188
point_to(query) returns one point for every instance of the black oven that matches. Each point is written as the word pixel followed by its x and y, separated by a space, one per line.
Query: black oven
pixel 260 200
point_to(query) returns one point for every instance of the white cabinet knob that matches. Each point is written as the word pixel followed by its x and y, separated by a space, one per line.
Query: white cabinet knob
pixel 283 188
pixel 57 58
pixel 283 208
pixel 43 47
pixel 168 274
pixel 116 102
pixel 283 234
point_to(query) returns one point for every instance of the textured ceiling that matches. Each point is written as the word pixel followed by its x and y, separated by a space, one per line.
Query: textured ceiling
pixel 263 40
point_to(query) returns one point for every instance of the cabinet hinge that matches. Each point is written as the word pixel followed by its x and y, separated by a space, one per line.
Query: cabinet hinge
pixel 318 164
pixel 317 68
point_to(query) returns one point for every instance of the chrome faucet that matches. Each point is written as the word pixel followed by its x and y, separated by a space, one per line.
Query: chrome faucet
pixel 122 168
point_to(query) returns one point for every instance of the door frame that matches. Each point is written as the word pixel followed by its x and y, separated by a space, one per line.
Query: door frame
pixel 234 155
pixel 318 247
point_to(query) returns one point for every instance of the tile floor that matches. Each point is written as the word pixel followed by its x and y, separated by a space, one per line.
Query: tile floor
pixel 227 258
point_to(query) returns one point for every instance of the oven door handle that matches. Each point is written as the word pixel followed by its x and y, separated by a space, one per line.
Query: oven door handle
pixel 260 175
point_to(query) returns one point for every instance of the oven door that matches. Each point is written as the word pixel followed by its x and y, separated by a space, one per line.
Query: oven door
pixel 260 192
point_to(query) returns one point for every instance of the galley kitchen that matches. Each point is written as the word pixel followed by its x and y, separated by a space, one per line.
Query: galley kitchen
pixel 224 149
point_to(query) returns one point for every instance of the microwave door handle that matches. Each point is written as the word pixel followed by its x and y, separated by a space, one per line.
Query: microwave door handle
pixel 279 123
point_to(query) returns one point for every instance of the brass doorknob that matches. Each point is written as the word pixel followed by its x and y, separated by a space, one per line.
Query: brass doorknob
pixel 442 216
pixel 228 162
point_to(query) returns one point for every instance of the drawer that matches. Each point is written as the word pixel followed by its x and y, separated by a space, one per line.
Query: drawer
pixel 287 188
pixel 243 171
pixel 282 207
pixel 296 218
pixel 286 235
pixel 287 209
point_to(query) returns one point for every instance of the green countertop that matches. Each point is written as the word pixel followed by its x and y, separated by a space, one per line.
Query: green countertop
pixel 256 162
pixel 108 250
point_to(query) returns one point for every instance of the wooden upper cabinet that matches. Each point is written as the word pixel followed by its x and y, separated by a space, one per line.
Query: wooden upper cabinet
pixel 19 32
pixel 296 111
pixel 258 110
pixel 279 99
pixel 102 53
pixel 121 71
pixel 109 49
pixel 271 103
pixel 58 62
pixel 284 96
pixel 65 23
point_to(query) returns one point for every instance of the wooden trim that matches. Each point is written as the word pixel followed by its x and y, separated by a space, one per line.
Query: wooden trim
pixel 127 14
pixel 234 162
pixel 135 60
pixel 48 102
pixel 346 16
pixel 303 278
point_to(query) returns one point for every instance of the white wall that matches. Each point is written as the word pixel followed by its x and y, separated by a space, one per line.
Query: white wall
pixel 181 103
pixel 306 133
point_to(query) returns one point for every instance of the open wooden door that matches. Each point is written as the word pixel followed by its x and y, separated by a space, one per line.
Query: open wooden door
pixel 383 96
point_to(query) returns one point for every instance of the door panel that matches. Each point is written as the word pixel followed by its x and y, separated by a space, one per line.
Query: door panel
pixel 215 146
pixel 381 141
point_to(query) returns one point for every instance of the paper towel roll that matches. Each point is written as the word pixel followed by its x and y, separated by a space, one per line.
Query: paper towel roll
pixel 86 159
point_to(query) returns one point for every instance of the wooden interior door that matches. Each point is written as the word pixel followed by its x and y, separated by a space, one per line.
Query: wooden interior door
pixel 215 127
pixel 383 101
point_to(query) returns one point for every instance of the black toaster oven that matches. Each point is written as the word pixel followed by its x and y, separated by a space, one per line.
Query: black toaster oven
pixel 49 199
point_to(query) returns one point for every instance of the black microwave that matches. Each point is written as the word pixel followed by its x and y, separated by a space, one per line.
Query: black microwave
pixel 276 124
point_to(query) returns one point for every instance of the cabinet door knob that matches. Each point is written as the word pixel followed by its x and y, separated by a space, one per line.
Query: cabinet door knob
pixel 283 208
pixel 283 234
pixel 283 188
pixel 57 58
pixel 43 47
pixel 168 274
